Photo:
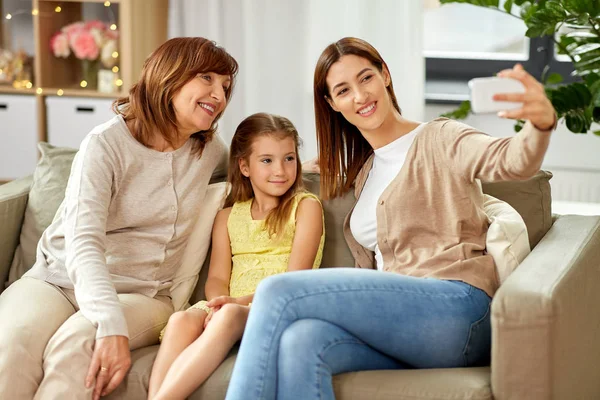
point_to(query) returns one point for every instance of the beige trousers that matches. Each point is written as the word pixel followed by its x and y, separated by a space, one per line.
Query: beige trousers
pixel 46 344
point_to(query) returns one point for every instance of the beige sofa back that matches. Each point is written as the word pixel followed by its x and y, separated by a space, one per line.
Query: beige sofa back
pixel 531 198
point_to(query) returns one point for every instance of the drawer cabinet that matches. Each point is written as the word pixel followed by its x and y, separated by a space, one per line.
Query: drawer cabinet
pixel 70 119
pixel 18 135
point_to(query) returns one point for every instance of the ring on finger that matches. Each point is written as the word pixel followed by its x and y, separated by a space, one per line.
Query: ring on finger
pixel 103 369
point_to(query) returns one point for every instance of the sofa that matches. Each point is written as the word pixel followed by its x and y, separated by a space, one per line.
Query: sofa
pixel 545 316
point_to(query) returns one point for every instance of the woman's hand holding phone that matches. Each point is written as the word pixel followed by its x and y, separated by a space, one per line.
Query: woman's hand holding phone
pixel 526 96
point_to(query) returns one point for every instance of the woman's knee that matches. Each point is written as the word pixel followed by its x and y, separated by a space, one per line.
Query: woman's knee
pixel 303 337
pixel 276 287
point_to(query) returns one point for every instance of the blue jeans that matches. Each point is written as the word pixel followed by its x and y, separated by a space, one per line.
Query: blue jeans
pixel 307 326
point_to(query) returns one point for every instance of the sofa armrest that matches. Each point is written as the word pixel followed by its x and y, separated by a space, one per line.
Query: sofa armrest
pixel 546 319
pixel 13 200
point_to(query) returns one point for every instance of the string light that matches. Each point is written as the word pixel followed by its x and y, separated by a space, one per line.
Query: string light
pixel 58 9
pixel 34 11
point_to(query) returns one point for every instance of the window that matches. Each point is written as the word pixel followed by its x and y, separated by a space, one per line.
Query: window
pixel 462 41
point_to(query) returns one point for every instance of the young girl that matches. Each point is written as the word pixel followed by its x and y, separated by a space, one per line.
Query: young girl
pixel 270 225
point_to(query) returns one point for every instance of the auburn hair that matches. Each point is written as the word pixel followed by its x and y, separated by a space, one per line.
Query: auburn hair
pixel 149 105
pixel 342 148
pixel 250 129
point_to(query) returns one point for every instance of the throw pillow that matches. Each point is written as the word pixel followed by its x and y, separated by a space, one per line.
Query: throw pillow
pixel 196 250
pixel 532 200
pixel 47 192
pixel 507 240
pixel 336 252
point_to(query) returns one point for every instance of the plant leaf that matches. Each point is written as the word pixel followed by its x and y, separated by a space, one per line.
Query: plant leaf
pixel 462 112
pixel 582 34
pixel 585 48
pixel 554 78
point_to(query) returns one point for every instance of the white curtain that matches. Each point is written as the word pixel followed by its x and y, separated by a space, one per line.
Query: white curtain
pixel 277 44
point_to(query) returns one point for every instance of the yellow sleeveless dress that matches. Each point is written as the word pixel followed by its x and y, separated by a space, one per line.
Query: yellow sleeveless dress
pixel 256 255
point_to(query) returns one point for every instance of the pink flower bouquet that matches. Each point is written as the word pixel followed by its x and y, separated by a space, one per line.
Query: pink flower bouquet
pixel 88 40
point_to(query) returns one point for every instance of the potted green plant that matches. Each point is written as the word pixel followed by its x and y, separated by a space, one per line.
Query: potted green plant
pixel 577 102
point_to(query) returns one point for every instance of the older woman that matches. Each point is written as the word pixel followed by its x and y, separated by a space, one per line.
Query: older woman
pixel 100 285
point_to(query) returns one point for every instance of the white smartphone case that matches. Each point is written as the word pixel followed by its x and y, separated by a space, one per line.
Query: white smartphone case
pixel 484 89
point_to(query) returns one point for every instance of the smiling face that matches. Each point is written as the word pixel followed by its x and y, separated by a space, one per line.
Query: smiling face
pixel 200 101
pixel 358 90
pixel 272 165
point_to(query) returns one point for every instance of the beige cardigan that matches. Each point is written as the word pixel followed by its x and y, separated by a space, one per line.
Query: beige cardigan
pixel 430 219
pixel 125 221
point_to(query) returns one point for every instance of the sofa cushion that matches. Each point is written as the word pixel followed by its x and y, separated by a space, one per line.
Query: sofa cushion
pixel 47 192
pixel 506 240
pixel 531 198
pixel 415 384
pixel 194 255
pixel 424 384
pixel 336 252
pixel 13 202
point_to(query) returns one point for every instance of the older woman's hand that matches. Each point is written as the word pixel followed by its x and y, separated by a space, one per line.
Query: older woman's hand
pixel 311 166
pixel 110 362
pixel 536 108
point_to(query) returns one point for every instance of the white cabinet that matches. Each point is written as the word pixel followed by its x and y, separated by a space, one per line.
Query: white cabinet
pixel 70 119
pixel 18 135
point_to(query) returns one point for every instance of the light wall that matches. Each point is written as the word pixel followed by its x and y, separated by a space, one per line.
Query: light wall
pixel 573 159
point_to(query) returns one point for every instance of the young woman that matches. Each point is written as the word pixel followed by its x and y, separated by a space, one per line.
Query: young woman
pixel 270 225
pixel 100 285
pixel 421 295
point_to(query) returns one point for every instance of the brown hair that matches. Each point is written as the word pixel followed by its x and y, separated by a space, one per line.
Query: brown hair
pixel 251 128
pixel 177 61
pixel 342 148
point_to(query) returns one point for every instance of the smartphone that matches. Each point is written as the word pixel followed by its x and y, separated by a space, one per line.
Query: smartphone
pixel 484 89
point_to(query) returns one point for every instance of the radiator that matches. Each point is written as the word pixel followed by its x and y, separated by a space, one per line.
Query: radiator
pixel 575 185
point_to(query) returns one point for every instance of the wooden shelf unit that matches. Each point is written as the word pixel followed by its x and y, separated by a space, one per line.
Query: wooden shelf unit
pixel 142 26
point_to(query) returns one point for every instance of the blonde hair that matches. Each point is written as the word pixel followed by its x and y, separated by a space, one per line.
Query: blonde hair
pixel 149 104
pixel 251 128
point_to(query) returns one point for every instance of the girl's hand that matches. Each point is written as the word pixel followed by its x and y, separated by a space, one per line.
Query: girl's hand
pixel 210 315
pixel 536 106
pixel 220 301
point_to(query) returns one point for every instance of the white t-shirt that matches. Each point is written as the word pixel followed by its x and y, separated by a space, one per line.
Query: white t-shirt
pixel 387 163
